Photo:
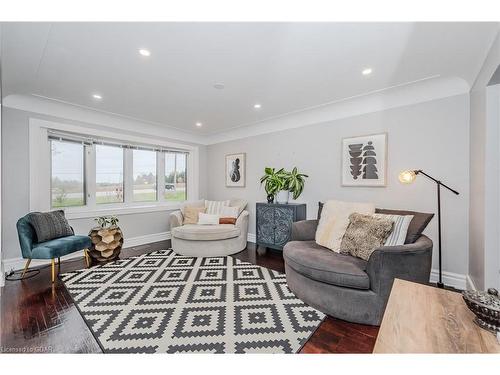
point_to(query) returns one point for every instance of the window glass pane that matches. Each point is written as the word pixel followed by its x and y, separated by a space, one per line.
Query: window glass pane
pixel 144 176
pixel 67 180
pixel 109 174
pixel 175 177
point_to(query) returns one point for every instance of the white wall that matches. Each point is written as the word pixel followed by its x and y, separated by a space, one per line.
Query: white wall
pixel 16 186
pixel 484 258
pixel 2 281
pixel 433 136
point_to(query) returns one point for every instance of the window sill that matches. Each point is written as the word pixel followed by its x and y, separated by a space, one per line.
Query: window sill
pixel 81 213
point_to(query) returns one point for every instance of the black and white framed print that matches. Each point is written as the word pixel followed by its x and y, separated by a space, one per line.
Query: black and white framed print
pixel 235 170
pixel 364 160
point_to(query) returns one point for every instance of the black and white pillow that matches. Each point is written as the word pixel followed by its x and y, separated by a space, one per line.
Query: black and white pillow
pixel 50 225
pixel 399 229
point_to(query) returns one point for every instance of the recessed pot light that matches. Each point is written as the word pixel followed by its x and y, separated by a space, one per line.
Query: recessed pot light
pixel 199 124
pixel 219 86
pixel 366 71
pixel 97 96
pixel 257 106
pixel 144 52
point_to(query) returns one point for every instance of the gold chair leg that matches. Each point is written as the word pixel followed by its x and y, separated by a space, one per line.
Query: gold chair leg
pixel 26 266
pixel 53 270
pixel 87 258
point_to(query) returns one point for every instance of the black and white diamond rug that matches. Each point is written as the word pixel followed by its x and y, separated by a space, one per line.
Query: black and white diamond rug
pixel 165 303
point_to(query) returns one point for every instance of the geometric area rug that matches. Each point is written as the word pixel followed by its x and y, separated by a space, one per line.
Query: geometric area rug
pixel 166 303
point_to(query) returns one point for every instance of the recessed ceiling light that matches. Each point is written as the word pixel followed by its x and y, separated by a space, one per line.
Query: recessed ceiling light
pixel 144 52
pixel 97 96
pixel 367 71
pixel 199 124
pixel 257 106
pixel 219 86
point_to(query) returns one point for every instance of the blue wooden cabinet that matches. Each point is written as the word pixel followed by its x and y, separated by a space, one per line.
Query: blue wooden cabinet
pixel 274 223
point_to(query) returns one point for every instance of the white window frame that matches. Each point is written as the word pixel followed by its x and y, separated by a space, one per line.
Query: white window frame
pixel 40 175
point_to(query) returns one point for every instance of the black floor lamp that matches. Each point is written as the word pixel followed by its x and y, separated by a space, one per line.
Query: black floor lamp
pixel 407 177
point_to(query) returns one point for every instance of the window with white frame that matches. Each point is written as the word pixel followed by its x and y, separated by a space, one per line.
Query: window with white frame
pixel 67 174
pixel 144 172
pixel 87 172
pixel 175 176
pixel 108 174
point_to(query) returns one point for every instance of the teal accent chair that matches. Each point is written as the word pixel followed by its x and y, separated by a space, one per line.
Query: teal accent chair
pixel 56 248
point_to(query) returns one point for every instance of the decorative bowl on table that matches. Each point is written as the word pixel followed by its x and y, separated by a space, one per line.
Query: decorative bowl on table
pixel 486 307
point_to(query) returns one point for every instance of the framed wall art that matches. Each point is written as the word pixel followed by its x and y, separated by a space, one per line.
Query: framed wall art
pixel 364 160
pixel 235 170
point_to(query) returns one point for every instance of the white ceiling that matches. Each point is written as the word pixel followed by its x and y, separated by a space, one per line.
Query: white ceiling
pixel 286 67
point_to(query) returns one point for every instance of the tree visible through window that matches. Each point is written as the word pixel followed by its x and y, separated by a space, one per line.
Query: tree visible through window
pixel 67 179
pixel 109 174
pixel 144 174
pixel 175 176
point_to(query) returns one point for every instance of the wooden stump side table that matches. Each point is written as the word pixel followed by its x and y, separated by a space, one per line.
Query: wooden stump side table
pixel 106 243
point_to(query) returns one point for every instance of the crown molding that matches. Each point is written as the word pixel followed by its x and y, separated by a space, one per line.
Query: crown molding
pixel 55 108
pixel 431 88
pixel 428 89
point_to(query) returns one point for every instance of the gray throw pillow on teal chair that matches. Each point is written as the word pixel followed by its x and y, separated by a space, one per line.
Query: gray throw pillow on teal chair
pixel 50 225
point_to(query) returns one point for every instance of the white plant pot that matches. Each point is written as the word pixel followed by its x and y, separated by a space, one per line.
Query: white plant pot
pixel 282 197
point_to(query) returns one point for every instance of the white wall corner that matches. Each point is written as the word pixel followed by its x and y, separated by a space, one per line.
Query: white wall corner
pixel 2 275
pixel 470 283
pixel 251 238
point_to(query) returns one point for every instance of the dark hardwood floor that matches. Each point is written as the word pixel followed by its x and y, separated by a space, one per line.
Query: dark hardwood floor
pixel 39 318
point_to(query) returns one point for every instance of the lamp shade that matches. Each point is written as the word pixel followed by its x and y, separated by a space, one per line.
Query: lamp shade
pixel 407 177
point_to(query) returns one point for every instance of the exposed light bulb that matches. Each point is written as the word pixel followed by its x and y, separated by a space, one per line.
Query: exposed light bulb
pixel 407 177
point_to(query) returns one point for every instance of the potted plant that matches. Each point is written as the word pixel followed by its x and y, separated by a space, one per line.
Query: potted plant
pixel 295 182
pixel 274 182
pixel 107 221
pixel 281 183
pixel 107 239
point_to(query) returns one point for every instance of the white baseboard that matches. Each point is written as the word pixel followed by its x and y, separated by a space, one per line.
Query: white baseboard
pixel 148 238
pixel 251 238
pixel 455 280
pixel 18 263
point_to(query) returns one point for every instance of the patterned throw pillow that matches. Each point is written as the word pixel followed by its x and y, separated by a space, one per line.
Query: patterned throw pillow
pixel 364 234
pixel 191 214
pixel 215 207
pixel 417 226
pixel 399 230
pixel 335 220
pixel 50 225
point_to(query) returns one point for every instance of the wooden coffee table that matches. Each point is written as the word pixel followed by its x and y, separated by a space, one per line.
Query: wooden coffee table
pixel 424 319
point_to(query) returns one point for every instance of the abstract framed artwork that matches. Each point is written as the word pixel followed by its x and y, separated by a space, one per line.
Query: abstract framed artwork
pixel 235 170
pixel 364 160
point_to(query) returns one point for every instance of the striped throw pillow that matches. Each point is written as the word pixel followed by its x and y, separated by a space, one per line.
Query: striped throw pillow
pixel 399 229
pixel 215 207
